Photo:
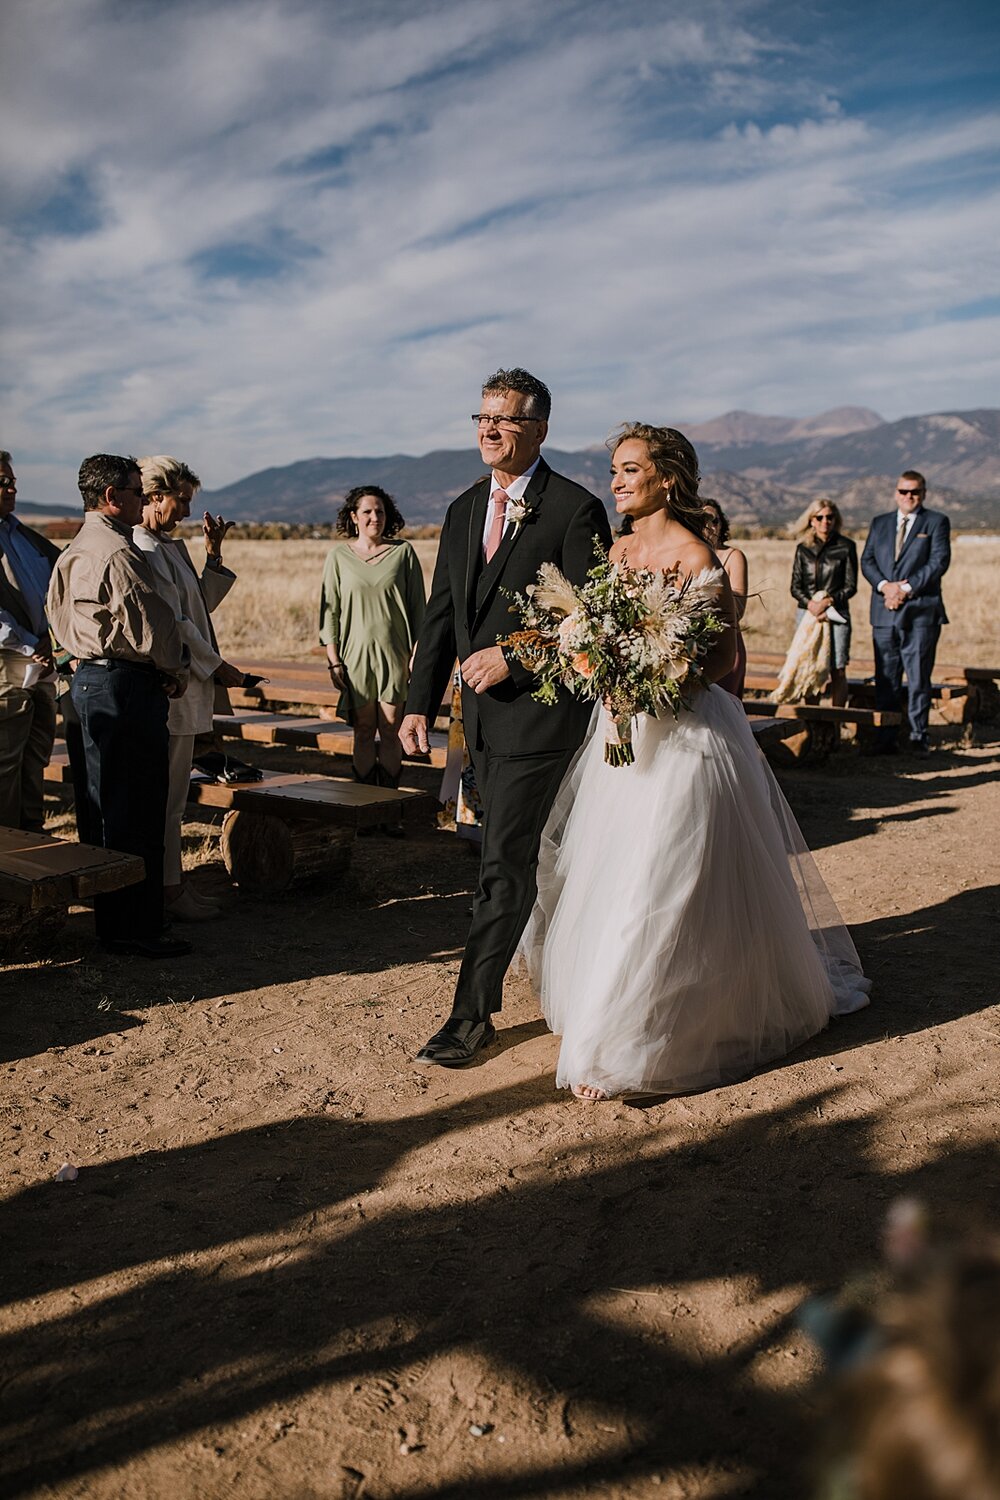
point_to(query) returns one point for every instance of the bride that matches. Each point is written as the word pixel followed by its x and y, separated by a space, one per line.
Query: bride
pixel 682 935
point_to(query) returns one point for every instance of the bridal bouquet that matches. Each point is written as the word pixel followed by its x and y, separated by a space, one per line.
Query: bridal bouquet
pixel 632 639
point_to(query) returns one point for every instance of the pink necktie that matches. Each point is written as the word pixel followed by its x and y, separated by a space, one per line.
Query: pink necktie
pixel 499 498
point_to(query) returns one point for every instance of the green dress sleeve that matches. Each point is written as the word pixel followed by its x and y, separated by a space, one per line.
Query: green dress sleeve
pixel 329 601
pixel 416 599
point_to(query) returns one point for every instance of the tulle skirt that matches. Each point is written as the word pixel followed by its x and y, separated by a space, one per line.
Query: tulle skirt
pixel 682 935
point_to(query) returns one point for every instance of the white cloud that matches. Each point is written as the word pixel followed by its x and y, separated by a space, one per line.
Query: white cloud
pixel 642 209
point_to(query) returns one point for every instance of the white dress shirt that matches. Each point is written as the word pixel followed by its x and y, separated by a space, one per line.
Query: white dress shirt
pixel 514 491
pixel 907 517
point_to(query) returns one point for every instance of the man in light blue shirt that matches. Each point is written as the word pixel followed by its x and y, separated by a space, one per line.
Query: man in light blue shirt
pixel 27 679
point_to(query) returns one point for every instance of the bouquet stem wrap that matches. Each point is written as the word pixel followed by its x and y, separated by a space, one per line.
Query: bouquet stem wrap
pixel 618 739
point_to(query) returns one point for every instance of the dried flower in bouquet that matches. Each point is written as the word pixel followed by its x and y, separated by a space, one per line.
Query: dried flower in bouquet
pixel 632 639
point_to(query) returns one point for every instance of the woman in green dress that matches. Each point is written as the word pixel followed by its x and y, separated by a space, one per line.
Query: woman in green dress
pixel 371 609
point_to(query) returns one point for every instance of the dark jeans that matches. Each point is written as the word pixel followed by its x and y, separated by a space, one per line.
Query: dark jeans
pixel 123 718
pixel 518 792
pixel 88 825
pixel 911 651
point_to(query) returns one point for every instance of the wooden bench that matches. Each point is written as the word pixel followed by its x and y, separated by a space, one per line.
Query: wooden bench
pixel 330 738
pixel 288 826
pixel 290 683
pixel 41 877
pixel 959 695
pixel 818 725
pixel 760 680
pixel 771 732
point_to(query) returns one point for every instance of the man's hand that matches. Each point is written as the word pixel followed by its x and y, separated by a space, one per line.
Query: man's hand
pixel 819 607
pixel 44 659
pixel 484 669
pixel 215 529
pixel 228 676
pixel 413 734
pixel 894 595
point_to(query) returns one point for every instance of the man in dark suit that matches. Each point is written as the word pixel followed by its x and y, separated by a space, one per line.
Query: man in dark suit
pixel 27 680
pixel 905 557
pixel 494 539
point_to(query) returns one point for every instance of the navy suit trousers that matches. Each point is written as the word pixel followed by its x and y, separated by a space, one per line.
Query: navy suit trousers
pixel 123 719
pixel 908 650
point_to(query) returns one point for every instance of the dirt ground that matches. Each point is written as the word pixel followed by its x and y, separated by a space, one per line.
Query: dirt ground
pixel 294 1265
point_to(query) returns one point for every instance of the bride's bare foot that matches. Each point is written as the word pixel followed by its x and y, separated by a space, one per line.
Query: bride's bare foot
pixel 590 1093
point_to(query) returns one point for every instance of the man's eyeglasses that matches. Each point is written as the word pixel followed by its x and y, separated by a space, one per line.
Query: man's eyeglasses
pixel 901 491
pixel 129 489
pixel 505 424
pixel 8 482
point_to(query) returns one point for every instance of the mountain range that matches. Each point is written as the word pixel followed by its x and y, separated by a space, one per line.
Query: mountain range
pixel 763 469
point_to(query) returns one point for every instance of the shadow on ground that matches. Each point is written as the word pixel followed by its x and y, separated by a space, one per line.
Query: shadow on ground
pixel 408 898
pixel 513 1277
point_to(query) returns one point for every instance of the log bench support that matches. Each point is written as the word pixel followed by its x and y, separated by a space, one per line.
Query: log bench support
pixel 287 829
pixel 265 854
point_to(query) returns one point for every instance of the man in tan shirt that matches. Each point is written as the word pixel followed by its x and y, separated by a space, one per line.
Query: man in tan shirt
pixel 105 610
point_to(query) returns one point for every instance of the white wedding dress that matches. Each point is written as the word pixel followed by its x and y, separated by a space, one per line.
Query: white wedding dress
pixel 682 935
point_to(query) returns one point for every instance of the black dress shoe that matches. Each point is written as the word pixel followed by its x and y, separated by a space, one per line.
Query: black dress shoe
pixel 158 947
pixel 457 1043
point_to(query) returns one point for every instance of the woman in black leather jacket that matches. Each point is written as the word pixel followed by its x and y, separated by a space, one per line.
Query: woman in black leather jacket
pixel 826 563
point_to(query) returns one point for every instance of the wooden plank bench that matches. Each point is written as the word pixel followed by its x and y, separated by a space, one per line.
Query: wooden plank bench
pixel 771 732
pixel 41 877
pixel 858 666
pixel 958 694
pixel 759 680
pixel 310 734
pixel 289 826
pixel 295 682
pixel 819 724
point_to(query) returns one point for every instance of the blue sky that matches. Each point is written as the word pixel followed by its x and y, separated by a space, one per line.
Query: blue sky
pixel 247 232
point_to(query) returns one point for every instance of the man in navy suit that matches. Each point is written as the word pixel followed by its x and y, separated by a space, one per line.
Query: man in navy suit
pixel 906 554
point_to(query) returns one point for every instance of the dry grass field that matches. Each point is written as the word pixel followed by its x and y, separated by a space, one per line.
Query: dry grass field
pixel 274 609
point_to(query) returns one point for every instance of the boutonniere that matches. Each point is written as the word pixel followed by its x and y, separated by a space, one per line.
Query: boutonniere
pixel 519 511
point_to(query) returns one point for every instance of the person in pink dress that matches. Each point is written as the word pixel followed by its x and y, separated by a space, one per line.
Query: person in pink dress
pixel 734 563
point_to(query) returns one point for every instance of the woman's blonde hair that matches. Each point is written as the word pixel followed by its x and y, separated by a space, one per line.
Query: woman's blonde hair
pixel 163 475
pixel 802 527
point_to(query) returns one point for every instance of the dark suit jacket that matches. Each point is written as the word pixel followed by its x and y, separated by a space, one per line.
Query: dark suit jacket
pixel 469 611
pixel 922 563
pixel 11 597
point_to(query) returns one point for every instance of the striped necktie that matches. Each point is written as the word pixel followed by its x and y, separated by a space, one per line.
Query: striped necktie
pixel 900 535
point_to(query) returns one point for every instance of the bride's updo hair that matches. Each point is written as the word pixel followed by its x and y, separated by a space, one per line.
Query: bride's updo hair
pixel 674 458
